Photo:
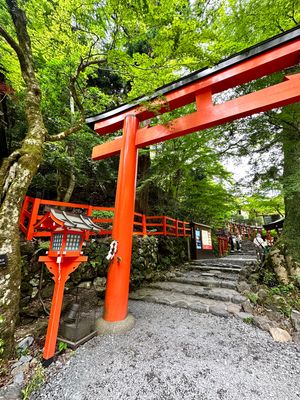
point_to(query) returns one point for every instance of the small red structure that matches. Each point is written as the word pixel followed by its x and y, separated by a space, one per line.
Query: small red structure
pixel 223 245
pixel 68 231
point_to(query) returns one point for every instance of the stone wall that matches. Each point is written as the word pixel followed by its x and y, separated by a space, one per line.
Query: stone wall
pixel 152 259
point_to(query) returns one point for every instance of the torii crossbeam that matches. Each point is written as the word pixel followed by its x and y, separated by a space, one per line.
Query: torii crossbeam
pixel 274 55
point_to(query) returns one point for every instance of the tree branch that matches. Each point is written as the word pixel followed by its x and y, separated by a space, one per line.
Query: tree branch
pixel 62 135
pixel 13 44
pixel 5 167
pixel 73 81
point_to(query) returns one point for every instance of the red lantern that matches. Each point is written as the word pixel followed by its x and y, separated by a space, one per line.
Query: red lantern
pixel 68 232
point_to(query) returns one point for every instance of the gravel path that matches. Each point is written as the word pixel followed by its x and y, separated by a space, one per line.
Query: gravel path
pixel 179 354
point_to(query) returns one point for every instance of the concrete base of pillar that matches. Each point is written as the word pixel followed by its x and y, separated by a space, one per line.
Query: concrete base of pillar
pixel 105 327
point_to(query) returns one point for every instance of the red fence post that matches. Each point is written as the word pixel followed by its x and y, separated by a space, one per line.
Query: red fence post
pixel 165 225
pixel 144 225
pixel 24 210
pixel 89 213
pixel 33 218
pixel 220 246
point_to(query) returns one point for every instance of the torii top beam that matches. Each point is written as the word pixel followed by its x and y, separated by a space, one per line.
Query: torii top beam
pixel 275 54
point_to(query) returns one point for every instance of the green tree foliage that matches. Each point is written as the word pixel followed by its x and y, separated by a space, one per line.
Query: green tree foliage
pixel 187 177
pixel 260 205
pixel 52 52
pixel 270 140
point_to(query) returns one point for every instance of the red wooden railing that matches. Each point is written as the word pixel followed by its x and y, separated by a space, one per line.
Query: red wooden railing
pixel 246 231
pixel 223 245
pixel 33 210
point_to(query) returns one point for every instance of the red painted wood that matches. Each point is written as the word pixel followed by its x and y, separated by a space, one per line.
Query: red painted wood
pixel 208 115
pixel 278 95
pixel 274 60
pixel 33 218
pixel 117 287
pixel 60 276
pixel 146 220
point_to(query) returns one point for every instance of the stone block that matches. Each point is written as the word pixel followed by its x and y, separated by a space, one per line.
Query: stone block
pixel 295 318
pixel 11 392
pixel 280 335
pixel 99 283
pixel 263 323
pixel 296 337
pixel 247 306
pixel 85 285
pixel 233 309
pixel 274 315
pixel 19 379
pixel 25 343
pixel 106 328
pixel 243 287
pixel 180 303
pixel 244 315
pixel 199 307
pixel 219 311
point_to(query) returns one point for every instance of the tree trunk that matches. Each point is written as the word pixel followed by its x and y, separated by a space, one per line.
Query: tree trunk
pixel 70 188
pixel 285 255
pixel 3 126
pixel 17 171
pixel 142 195
pixel 16 174
pixel 65 194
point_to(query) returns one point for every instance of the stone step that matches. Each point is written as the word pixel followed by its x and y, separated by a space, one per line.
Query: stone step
pixel 220 294
pixel 210 268
pixel 228 276
pixel 216 263
pixel 181 300
pixel 231 261
pixel 202 281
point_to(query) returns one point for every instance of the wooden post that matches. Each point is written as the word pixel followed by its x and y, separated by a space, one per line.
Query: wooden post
pixel 60 276
pixel 220 247
pixel 144 226
pixel 165 226
pixel 33 218
pixel 188 244
pixel 89 213
pixel 117 288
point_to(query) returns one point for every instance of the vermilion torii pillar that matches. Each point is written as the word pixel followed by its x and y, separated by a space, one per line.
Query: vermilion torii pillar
pixel 116 296
pixel 271 56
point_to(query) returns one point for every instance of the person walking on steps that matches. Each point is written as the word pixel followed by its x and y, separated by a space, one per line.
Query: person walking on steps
pixel 260 245
pixel 232 241
pixel 239 242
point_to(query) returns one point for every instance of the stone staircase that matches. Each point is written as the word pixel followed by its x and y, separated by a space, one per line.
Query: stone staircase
pixel 206 286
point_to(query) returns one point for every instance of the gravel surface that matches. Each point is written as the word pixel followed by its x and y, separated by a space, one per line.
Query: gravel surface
pixel 175 353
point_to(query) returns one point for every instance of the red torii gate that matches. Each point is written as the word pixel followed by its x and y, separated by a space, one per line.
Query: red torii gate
pixel 276 54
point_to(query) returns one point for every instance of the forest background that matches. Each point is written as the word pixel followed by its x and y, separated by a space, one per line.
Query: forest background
pixel 62 60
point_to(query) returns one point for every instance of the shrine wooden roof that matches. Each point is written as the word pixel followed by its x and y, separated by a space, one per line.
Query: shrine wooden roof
pixel 58 218
pixel 246 54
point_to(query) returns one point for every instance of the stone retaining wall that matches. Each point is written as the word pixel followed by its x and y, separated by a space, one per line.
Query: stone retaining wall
pixel 152 258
